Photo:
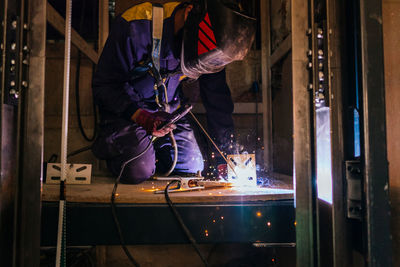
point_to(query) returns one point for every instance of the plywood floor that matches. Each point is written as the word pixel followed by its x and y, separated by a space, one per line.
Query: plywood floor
pixel 100 192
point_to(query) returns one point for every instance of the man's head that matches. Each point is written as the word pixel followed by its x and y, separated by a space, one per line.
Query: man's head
pixel 181 16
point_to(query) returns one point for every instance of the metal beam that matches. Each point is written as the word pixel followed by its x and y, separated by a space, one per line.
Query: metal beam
pixel 31 123
pixel 281 50
pixel 379 245
pixel 58 22
pixel 266 82
pixel 341 237
pixel 302 134
pixel 246 222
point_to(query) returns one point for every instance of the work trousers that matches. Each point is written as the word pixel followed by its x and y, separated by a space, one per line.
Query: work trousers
pixel 123 140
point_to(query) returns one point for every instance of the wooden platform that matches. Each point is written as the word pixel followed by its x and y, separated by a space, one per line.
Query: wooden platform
pixel 100 192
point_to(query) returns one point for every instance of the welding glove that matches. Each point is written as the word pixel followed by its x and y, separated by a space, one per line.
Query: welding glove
pixel 152 121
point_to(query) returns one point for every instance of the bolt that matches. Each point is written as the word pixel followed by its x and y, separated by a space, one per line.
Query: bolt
pixel 12 83
pixel 320 54
pixel 321 76
pixel 309 65
pixel 24 84
pixel 13 46
pixel 12 61
pixel 12 69
pixel 320 33
pixel 25 61
pixel 25 48
pixel 1 46
pixel 14 93
pixel 25 26
pixel 14 24
pixel 309 53
pixel 310 86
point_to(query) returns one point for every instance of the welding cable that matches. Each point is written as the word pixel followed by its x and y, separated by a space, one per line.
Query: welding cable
pixel 80 150
pixel 174 145
pixel 182 224
pixel 77 78
pixel 113 210
pixel 78 108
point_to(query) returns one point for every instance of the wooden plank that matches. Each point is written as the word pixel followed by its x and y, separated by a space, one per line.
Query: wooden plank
pixel 100 192
pixel 266 82
pixel 103 24
pixel 58 22
pixel 281 50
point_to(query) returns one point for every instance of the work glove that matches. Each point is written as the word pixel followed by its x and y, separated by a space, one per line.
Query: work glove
pixel 151 122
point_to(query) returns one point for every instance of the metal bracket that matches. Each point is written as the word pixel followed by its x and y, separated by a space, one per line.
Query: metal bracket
pixel 76 173
pixel 354 189
pixel 184 183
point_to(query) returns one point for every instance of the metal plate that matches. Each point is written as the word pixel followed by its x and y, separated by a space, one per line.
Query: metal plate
pixel 270 222
pixel 76 173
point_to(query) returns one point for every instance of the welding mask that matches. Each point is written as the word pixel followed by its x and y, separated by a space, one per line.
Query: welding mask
pixel 216 33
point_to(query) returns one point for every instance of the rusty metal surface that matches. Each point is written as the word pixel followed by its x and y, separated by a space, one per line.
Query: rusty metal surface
pixel 379 244
pixel 8 183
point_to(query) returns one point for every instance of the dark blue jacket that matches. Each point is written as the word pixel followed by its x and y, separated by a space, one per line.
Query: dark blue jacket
pixel 129 44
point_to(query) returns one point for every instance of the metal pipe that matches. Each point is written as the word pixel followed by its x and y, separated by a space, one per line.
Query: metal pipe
pixel 61 242
pixel 67 63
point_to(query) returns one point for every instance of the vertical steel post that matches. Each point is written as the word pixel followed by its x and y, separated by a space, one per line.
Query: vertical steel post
pixel 379 245
pixel 303 142
pixel 266 82
pixel 30 136
pixel 341 242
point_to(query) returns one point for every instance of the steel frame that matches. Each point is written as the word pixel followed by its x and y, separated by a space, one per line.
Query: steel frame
pixel 377 217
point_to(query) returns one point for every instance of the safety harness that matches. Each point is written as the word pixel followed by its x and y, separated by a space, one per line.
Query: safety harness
pixel 152 64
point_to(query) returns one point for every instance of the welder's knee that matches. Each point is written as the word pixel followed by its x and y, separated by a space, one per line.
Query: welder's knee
pixel 137 170
pixel 190 162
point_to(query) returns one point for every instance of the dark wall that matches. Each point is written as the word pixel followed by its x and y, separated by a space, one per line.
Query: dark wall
pixel 282 116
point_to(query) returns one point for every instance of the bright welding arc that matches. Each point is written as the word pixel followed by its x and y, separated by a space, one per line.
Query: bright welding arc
pixel 212 141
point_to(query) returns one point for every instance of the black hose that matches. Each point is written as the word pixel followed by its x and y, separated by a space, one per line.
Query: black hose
pixel 77 78
pixel 78 109
pixel 78 151
pixel 114 212
pixel 174 145
pixel 182 224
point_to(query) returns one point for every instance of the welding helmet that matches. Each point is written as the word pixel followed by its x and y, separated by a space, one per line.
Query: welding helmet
pixel 216 33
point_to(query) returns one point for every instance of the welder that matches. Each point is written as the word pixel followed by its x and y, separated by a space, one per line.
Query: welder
pixel 150 50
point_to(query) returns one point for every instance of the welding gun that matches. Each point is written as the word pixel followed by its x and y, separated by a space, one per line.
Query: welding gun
pixel 176 116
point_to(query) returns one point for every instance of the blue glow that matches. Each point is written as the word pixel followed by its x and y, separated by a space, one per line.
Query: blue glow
pixel 356 133
pixel 324 163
